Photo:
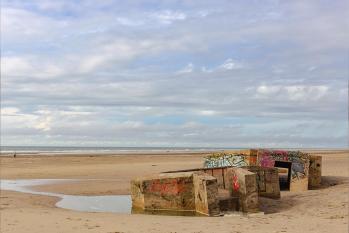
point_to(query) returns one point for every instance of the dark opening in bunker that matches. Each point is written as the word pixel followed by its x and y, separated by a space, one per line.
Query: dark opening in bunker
pixel 284 174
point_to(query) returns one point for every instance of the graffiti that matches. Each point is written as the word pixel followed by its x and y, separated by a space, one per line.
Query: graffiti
pixel 298 170
pixel 298 159
pixel 266 161
pixel 172 187
pixel 266 158
pixel 225 160
pixel 236 184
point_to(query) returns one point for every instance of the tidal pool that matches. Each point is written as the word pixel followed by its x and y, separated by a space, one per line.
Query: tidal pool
pixel 110 203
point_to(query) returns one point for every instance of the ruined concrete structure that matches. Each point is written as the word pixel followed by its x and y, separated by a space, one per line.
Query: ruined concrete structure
pixel 185 193
pixel 229 181
pixel 298 171
pixel 209 192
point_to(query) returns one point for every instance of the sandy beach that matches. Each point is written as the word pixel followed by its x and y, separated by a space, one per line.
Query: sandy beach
pixel 321 210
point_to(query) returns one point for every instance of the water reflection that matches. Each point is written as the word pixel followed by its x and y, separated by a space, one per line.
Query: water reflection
pixel 111 203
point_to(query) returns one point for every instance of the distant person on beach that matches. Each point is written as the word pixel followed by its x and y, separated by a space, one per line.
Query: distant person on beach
pixel 15 155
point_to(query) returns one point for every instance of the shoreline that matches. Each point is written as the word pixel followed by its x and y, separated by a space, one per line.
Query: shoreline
pixel 154 153
pixel 94 154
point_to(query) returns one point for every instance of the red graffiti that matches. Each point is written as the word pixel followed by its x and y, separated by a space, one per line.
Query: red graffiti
pixel 266 161
pixel 267 157
pixel 172 187
pixel 236 184
pixel 281 154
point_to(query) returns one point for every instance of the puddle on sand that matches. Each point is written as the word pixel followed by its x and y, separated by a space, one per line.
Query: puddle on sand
pixel 111 203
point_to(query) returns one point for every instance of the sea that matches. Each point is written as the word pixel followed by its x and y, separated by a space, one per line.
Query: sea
pixel 56 150
pixel 6 150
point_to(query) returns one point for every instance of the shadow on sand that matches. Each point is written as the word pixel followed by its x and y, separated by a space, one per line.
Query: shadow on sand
pixel 289 200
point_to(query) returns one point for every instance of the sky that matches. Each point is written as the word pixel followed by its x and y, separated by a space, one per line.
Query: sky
pixel 174 73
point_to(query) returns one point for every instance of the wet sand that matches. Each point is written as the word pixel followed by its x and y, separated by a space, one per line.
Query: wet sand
pixel 322 210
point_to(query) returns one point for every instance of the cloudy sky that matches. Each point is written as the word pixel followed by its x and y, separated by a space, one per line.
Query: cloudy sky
pixel 174 73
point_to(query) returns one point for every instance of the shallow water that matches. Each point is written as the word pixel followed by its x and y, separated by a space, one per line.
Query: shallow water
pixel 110 203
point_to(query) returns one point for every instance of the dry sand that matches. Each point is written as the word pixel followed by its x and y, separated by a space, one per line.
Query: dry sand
pixel 322 210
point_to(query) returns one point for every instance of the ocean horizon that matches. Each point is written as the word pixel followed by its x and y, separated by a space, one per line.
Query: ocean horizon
pixel 105 149
pixel 101 149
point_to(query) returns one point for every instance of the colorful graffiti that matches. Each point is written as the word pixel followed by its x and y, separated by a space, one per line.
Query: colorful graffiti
pixel 298 159
pixel 172 187
pixel 225 160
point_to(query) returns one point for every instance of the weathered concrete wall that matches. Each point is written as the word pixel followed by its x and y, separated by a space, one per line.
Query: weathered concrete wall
pixel 222 174
pixel 176 192
pixel 197 191
pixel 171 192
pixel 305 170
pixel 236 158
pixel 272 185
pixel 206 195
pixel 235 180
pixel 250 156
pixel 244 186
pixel 201 203
pixel 267 181
pixel 315 171
pixel 137 195
pixel 299 167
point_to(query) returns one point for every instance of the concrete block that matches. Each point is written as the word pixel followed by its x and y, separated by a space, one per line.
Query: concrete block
pixel 137 195
pixel 244 185
pixel 315 167
pixel 219 175
pixel 267 181
pixel 170 192
pixel 299 180
pixel 181 193
pixel 206 195
pixel 227 204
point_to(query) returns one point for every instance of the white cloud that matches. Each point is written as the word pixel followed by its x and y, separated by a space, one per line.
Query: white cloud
pixel 121 51
pixel 168 16
pixel 18 25
pixel 206 70
pixel 13 118
pixel 44 124
pixel 129 125
pixel 117 51
pixel 15 66
pixel 187 69
pixel 306 92
pixel 268 90
pixel 293 93
pixel 230 64
pixel 9 111
pixel 29 66
pixel 129 22
pixel 54 5
pixel 208 112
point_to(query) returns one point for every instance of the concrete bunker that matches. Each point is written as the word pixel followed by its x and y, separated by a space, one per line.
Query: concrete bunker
pixel 229 181
pixel 304 173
